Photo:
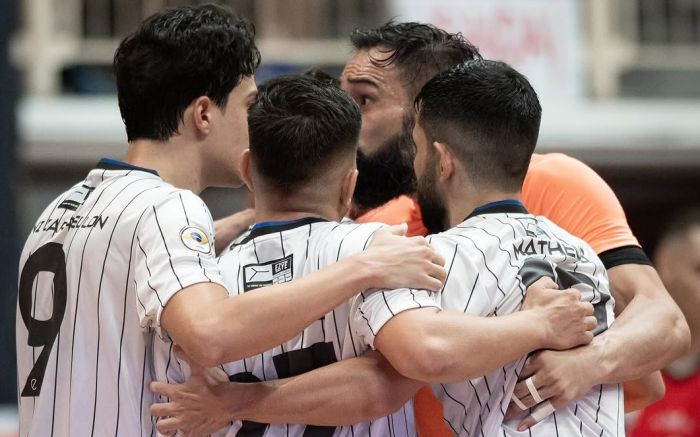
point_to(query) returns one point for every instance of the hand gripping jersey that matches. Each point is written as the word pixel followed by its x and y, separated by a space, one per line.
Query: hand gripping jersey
pixel 98 268
pixel 492 258
pixel 277 252
pixel 567 192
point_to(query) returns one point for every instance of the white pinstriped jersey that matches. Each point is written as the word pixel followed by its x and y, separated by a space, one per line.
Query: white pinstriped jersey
pixel 492 257
pixel 97 269
pixel 279 252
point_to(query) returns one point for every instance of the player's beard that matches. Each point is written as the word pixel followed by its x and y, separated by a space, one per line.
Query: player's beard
pixel 432 208
pixel 387 173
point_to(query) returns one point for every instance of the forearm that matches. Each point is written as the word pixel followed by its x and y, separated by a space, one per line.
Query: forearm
pixel 280 312
pixel 642 340
pixel 649 333
pixel 454 347
pixel 229 228
pixel 350 391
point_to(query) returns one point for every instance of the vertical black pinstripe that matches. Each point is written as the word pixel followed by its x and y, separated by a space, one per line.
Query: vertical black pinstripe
pixel 80 274
pixel 99 295
pixel 483 256
pixel 170 258
pixel 471 292
pixel 463 407
pixel 143 386
pixel 121 340
pixel 352 339
pixel 500 247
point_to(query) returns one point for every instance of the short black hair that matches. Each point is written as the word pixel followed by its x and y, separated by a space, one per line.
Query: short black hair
pixel 176 56
pixel 488 114
pixel 419 50
pixel 298 125
pixel 319 74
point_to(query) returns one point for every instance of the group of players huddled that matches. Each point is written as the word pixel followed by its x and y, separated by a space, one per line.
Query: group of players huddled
pixel 412 269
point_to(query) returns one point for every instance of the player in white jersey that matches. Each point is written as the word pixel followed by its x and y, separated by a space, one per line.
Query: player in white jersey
pixel 128 252
pixel 302 167
pixel 477 126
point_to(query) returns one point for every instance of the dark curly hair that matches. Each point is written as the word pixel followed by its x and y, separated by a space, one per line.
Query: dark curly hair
pixel 176 56
pixel 419 50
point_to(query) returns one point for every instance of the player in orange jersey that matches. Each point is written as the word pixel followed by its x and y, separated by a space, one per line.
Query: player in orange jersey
pixel 388 68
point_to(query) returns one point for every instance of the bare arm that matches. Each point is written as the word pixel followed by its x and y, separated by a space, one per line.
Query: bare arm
pixel 446 346
pixel 346 392
pixel 213 328
pixel 649 333
pixel 630 349
pixel 229 228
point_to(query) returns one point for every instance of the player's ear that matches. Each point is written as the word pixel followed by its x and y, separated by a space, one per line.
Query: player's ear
pixel 348 188
pixel 244 164
pixel 445 161
pixel 201 114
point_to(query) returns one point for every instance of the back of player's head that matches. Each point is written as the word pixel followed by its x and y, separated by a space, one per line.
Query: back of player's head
pixel 488 114
pixel 419 50
pixel 176 56
pixel 300 127
pixel 319 74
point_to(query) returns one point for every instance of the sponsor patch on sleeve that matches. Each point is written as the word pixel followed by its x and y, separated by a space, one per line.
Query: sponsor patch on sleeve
pixel 195 239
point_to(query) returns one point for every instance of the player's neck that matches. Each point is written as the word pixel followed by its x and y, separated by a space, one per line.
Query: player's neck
pixel 460 206
pixel 293 207
pixel 177 165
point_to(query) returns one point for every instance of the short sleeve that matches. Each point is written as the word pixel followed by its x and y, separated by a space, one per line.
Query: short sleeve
pixel 577 199
pixel 372 310
pixel 174 249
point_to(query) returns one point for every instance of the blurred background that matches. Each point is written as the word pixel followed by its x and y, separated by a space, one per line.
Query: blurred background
pixel 619 80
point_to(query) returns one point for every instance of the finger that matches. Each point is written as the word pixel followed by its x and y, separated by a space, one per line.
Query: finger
pixel 398 229
pixel 545 393
pixel 216 375
pixel 169 425
pixel 588 308
pixel 163 389
pixel 529 368
pixel 518 403
pixel 428 283
pixel 532 389
pixel 590 323
pixel 437 272
pixel 574 293
pixel 163 410
pixel 436 258
pixel 586 337
pixel 512 411
pixel 540 412
pixel 546 282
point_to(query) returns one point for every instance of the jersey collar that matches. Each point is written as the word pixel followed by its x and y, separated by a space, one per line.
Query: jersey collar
pixel 113 164
pixel 264 228
pixel 499 207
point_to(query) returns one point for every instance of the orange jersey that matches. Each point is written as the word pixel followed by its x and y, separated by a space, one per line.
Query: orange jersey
pixel 556 186
pixel 403 209
pixel 573 196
